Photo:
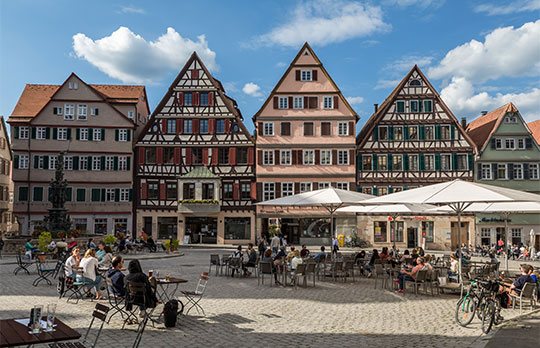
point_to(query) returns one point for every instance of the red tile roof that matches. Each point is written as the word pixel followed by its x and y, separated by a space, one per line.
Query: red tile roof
pixel 534 127
pixel 120 92
pixel 480 130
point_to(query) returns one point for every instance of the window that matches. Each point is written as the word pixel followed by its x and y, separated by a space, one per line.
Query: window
pixel 298 102
pixel 308 129
pixel 396 230
pixel 343 157
pixel 188 99
pixel 285 128
pixel 82 111
pixel 382 162
pixel 516 235
pixel 398 133
pixel 96 163
pixel 305 75
pixel 23 132
pixel 269 191
pixel 326 128
pixel 379 231
pixel 188 191
pixel 342 186
pixel 343 128
pixel 382 191
pixel 123 134
pixel 23 193
pixel 68 162
pixel 83 134
pixel 171 127
pixel 223 156
pixel 109 162
pixel 23 161
pixel 83 163
pixel 328 102
pixel 400 106
pixel 383 133
pixel 41 133
pixel 38 160
pixel 367 190
pixel 153 191
pixel 429 133
pixel 308 157
pixel 203 125
pixel 188 126
pixel 204 99
pixel 268 157
pixel 428 106
pixel 124 195
pixel 150 155
pixel 62 134
pixel 415 83
pixel 446 162
pixel 96 134
pixel 53 162
pixel 57 111
pixel 501 171
pixel 413 132
pixel 498 144
pixel 324 185
pixel 445 132
pixel 427 230
pixel 241 155
pixel 100 226
pixel 533 171
pixel 130 114
pixel 509 143
pixel 283 102
pixel 37 194
pixel 366 162
pixel 69 111
pixel 95 112
pixel 518 171
pixel 326 157
pixel 245 191
pixel 268 129
pixel 521 144
pixel 414 106
pixel 81 195
pixel 228 191
pixel 109 195
pixel 429 162
pixel 168 155
pixel 486 171
pixel 285 157
pixel 287 189
pixel 413 162
pixel 397 162
pixel 510 119
pixel 220 126
pixel 462 162
pixel 207 191
pixel 197 155
pixel 305 187
pixel 237 228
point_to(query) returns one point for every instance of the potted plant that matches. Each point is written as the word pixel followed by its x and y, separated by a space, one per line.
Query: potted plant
pixel 44 240
pixel 167 245
pixel 174 245
pixel 109 240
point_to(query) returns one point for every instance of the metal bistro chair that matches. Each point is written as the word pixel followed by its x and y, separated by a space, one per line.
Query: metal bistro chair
pixel 235 264
pixel 194 297
pixel 224 264
pixel 310 271
pixel 214 261
pixel 299 272
pixel 348 269
pixel 22 264
pixel 118 303
pixel 420 279
pixel 380 273
pixel 44 273
pixel 136 297
pixel 433 280
pixel 100 312
pixel 337 270
pixel 256 266
pixel 525 294
pixel 265 268
pixel 320 266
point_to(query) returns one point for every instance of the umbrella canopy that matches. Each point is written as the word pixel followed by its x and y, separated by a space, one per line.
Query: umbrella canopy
pixel 497 207
pixel 320 198
pixel 390 209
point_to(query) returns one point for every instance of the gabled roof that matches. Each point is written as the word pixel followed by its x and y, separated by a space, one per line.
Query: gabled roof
pixel 201 172
pixel 291 66
pixel 363 136
pixel 481 129
pixel 6 136
pixel 534 127
pixel 120 93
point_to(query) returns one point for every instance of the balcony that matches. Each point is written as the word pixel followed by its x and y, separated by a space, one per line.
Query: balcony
pixel 199 207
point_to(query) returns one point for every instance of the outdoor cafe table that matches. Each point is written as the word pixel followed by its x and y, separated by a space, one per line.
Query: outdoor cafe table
pixel 13 333
pixel 166 289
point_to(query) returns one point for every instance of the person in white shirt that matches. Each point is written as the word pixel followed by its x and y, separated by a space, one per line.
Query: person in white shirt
pixel 72 261
pixel 297 260
pixel 274 244
pixel 90 277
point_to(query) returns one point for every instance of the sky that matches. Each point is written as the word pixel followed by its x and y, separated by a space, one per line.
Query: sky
pixel 478 54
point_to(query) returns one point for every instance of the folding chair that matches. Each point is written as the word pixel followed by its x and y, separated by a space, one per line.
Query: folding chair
pixel 22 264
pixel 100 312
pixel 214 261
pixel 44 273
pixel 265 268
pixel 194 297
pixel 117 303
pixel 75 287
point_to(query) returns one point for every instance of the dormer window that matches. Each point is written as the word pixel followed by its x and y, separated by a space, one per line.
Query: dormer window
pixel 415 83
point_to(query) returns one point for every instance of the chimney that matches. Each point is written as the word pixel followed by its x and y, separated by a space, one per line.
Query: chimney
pixel 464 122
pixel 484 113
pixel 376 107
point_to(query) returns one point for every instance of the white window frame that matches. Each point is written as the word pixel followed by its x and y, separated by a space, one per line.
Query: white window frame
pixel 109 162
pixel 298 103
pixel 24 161
pixel 432 162
pixel 463 155
pixel 499 167
pixel 343 157
pixel 283 103
pixel 124 195
pixel 287 189
pixel 510 143
pixel 109 195
pixel 485 171
pixel 24 132
pixel 306 75
pixel 394 133
pixel 518 168
pixel 53 161
pixel 324 185
pixel 409 135
pixel 61 133
pixel 83 163
pixel 82 112
pixel 269 191
pixel 325 157
pixel 40 161
pixel 343 129
pixel 285 157
pixel 328 102
pixel 83 134
pixel 448 162
pixel 130 114
pixel 342 185
pixel 520 144
pixel 122 163
pixel 96 134
pixel 485 232
pixel 394 163
pixel 534 168
pixel 69 112
pixel 449 133
pixel 308 157
pixel 432 133
pixel 96 163
pixel 93 111
pixel 122 135
pixel 499 144
pixel 306 187
pixel 268 157
pixel 268 129
pixel 41 133
pixel 68 162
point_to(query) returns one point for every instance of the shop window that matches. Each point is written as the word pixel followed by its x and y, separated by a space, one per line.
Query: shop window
pixel 379 231
pixel 238 228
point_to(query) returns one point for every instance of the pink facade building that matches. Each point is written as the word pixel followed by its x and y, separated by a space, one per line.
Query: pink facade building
pixel 305 141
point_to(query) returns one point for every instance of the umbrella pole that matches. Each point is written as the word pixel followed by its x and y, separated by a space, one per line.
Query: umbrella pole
pixel 460 256
pixel 506 215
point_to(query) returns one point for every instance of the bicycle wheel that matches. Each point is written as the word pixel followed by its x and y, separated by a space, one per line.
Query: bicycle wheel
pixel 488 316
pixel 465 309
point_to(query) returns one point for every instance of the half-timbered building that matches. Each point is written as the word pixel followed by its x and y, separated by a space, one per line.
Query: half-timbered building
pixel 195 170
pixel 411 140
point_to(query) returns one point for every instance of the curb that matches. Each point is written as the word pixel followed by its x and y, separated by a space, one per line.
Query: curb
pixel 127 257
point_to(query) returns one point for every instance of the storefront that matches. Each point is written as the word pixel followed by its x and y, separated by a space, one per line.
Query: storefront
pixel 490 228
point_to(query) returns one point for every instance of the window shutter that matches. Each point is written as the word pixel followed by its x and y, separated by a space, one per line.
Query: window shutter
pixel 196 126
pixel 236 191
pixel 34 130
pixel 276 157
pixel 55 133
pixel 95 195
pixel 36 161
pixel 144 190
pixel 334 157
pixel 129 135
pixel 352 129
pixel 102 134
pixel 75 162
pixel 297 72
pixel 232 156
pixel 260 126
pixel 159 155
pixel 528 143
pixel 162 191
pixel 494 173
pixel 352 157
pixel 390 189
pixel 205 158
pixel 290 102
pixel 358 163
pixel 180 98
pixel 103 196
pixel 215 158
pixel 16 162
pixel 375 163
pixel 253 191
pixel 211 98
pixel 128 163
pixel 336 102
pixel 97 111
pixel 510 171
pixel 405 162
pixel 306 102
pixel 313 101
pixel 421 165
pixel 117 195
pixel 177 155
pixel 130 195
pixel 90 134
pixel 437 161
pixel 188 156
pixel 478 171
pixel 375 191
pixel 391 133
pixel 454 161
pixel 180 126
pixel 102 164
pixel 195 74
pixel 211 126
pixel 317 157
pixel 227 125
pixel 47 133
pixel 437 132
pixel 259 157
pixel 276 103
pixel 251 151
pixel 421 133
pixel 78 134
pixel 163 126
pixel 69 194
pixel 55 111
pixel 375 133
pixel 116 134
pixel 314 75
pixel 315 186
pixel 16 132
pixel 45 162
pixel 69 133
pixel 196 98
pixel 115 163
pixel 141 155
pixel 405 132
pixel 293 157
pixel 296 187
pixel 452 132
pixel 389 162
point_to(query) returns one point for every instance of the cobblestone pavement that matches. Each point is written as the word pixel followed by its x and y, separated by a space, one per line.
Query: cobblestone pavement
pixel 241 314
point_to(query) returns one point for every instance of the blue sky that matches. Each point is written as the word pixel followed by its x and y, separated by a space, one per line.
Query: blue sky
pixel 479 54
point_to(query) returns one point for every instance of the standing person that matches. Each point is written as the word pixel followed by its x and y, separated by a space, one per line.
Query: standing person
pixel 297 260
pixel 262 246
pixel 274 244
pixel 117 277
pixel 89 264
pixel 335 246
pixel 72 261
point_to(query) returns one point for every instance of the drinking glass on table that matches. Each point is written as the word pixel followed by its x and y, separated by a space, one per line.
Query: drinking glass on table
pixel 51 313
pixel 150 273
pixel 36 319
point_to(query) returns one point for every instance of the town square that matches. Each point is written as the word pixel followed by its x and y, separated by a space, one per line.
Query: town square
pixel 277 173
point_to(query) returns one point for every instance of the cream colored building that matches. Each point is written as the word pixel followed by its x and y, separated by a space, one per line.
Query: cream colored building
pixel 95 126
pixel 7 220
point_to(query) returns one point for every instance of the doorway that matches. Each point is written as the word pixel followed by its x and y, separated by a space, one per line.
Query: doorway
pixel 201 230
pixel 412 240
pixel 454 235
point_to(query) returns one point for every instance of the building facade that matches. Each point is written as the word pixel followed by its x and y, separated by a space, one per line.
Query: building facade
pixel 95 126
pixel 305 141
pixel 8 223
pixel 196 164
pixel 508 156
pixel 412 140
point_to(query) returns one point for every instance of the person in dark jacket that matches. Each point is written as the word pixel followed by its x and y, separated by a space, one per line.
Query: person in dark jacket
pixel 136 275
pixel 117 277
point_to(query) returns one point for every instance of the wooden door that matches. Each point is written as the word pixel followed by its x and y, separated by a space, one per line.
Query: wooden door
pixel 454 234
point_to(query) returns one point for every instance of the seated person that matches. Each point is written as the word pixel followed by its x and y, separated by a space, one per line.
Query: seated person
pixel 106 261
pixel 291 253
pixel 238 254
pixel 30 247
pixel 136 275
pixel 454 266
pixel 72 261
pixel 252 258
pixel 384 254
pixel 406 275
pixel 304 252
pixel 319 254
pixel 280 254
pixel 532 274
pixel 406 255
pixel 297 260
pixel 89 264
pixel 492 259
pixel 516 287
pixel 101 251
pixel 371 264
pixel 91 244
pixel 117 277
pixel 267 257
pixel 360 257
pixel 151 244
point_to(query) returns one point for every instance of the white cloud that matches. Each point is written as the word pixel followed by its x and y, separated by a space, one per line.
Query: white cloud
pixel 281 64
pixel 406 63
pixel 252 89
pixel 386 84
pixel 504 52
pixel 513 7
pixel 326 21
pixel 420 3
pixel 130 58
pixel 355 100
pixel 460 96
pixel 132 9
pixel 230 87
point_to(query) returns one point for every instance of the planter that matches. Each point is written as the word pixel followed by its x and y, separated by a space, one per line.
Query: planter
pixel 42 257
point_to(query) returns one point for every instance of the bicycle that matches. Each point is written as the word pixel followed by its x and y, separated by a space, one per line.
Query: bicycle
pixel 492 309
pixel 475 301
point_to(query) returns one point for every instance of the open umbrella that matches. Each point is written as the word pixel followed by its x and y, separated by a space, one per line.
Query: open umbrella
pixel 458 195
pixel 329 198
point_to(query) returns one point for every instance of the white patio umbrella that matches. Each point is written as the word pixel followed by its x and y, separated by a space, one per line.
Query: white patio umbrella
pixel 330 198
pixel 458 195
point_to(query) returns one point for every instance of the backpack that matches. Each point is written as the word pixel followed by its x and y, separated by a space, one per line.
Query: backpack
pixel 505 299
pixel 170 312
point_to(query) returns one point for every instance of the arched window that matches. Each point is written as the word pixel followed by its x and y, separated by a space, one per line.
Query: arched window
pixel 415 83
